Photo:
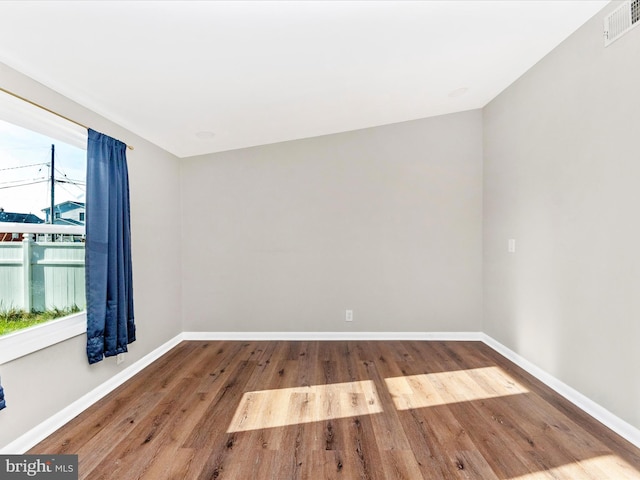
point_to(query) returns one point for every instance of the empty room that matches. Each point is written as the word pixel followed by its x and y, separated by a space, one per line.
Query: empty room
pixel 320 240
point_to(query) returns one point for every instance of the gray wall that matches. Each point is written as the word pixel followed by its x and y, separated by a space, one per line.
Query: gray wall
pixel 385 221
pixel 41 384
pixel 562 177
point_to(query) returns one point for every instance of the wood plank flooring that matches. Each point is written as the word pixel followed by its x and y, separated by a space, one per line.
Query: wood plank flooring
pixel 339 410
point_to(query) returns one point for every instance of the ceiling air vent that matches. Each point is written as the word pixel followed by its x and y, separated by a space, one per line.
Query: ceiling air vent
pixel 621 20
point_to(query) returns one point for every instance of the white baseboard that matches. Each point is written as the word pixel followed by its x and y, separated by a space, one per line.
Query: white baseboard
pixel 604 416
pixel 46 428
pixel 317 336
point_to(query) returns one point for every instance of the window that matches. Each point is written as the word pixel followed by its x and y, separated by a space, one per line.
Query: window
pixel 42 169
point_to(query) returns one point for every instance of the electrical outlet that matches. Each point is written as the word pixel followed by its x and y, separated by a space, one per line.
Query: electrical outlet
pixel 119 358
pixel 348 316
pixel 511 245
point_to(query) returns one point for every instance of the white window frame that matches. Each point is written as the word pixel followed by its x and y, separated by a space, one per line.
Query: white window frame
pixel 29 340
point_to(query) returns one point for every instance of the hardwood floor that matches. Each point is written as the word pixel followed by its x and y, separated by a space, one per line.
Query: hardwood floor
pixel 339 410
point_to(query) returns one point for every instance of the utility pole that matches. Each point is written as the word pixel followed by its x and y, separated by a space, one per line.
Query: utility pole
pixel 53 183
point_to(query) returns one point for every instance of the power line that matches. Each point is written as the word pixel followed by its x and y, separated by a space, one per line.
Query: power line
pixel 23 166
pixel 24 184
pixel 21 180
pixel 72 182
pixel 67 179
pixel 70 192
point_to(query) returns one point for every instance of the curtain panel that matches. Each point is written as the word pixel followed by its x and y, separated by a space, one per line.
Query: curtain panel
pixel 109 289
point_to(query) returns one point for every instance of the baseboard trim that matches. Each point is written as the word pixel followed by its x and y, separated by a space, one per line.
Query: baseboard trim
pixel 46 428
pixel 319 336
pixel 604 416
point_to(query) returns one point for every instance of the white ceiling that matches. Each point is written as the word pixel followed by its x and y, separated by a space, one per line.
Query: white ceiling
pixel 263 72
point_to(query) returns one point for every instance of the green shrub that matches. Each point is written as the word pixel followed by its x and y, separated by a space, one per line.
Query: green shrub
pixel 14 319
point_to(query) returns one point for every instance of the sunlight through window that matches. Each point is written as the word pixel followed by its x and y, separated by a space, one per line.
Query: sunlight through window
pixel 431 389
pixel 607 466
pixel 290 406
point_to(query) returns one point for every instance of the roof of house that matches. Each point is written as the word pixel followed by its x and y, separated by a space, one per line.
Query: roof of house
pixel 19 217
pixel 66 206
pixel 67 221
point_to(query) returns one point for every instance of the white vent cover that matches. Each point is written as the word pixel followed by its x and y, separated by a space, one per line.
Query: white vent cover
pixel 621 20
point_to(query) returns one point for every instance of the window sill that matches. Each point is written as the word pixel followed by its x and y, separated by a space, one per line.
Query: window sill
pixel 24 342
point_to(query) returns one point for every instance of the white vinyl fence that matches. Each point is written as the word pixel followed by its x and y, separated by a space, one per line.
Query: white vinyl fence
pixel 38 274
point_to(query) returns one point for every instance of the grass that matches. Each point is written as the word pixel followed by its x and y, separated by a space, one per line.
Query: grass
pixel 13 319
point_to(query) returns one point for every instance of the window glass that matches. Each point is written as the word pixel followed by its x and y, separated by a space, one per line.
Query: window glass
pixel 41 274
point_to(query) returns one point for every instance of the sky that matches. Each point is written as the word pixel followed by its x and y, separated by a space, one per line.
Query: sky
pixel 25 158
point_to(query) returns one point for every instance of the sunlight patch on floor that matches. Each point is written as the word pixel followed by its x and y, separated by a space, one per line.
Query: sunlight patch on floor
pixel 432 389
pixel 290 406
pixel 607 466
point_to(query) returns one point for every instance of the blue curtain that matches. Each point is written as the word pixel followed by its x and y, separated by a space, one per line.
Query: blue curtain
pixel 2 402
pixel 110 323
